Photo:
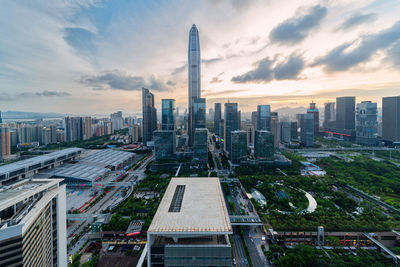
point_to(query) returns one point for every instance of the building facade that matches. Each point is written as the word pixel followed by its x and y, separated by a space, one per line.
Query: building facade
pixel 329 116
pixel 315 112
pixel 307 129
pixel 367 123
pixel 194 77
pixel 200 147
pixel 33 224
pixel 345 113
pixel 164 144
pixel 231 123
pixel 264 147
pixel 149 114
pixel 239 146
pixel 391 118
pixel 264 117
pixel 217 119
pixel 168 114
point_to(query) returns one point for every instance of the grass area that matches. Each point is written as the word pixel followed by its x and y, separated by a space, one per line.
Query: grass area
pixel 373 177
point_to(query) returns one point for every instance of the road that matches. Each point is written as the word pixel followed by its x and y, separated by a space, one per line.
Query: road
pixel 253 243
pixel 238 249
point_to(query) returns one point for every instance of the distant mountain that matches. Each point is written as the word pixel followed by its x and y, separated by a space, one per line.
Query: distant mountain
pixel 29 115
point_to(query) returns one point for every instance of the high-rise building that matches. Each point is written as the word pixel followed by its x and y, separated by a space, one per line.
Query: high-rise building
pixel 367 123
pixel 264 147
pixel 168 114
pixel 5 142
pixel 307 129
pixel 149 114
pixel 264 117
pixel 87 128
pixel 164 144
pixel 231 123
pixel 238 146
pixel 194 77
pixel 199 113
pixel 217 119
pixel 345 113
pixel 73 129
pixel 200 147
pixel 293 131
pixel 329 116
pixel 275 129
pixel 1 118
pixel 391 118
pixel 315 112
pixel 285 132
pixel 191 225
pixel 33 223
pixel 254 119
pixel 249 128
pixel 117 121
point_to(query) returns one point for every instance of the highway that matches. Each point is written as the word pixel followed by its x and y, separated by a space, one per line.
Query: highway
pixel 238 249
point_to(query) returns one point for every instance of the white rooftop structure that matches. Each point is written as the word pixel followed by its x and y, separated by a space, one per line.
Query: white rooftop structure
pixel 15 169
pixel 107 157
pixel 81 171
pixel 192 205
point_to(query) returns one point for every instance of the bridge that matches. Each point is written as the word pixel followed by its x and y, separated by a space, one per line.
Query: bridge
pixel 395 258
pixel 86 216
pixel 245 220
pixel 229 180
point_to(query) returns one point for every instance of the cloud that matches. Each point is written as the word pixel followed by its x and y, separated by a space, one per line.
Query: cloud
pixel 179 70
pixel 393 55
pixel 80 39
pixel 345 56
pixel 45 93
pixel 296 29
pixel 52 93
pixel 118 80
pixel 224 92
pixel 269 69
pixel 356 20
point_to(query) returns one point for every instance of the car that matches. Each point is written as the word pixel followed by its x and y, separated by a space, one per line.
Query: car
pixel 234 261
pixel 245 261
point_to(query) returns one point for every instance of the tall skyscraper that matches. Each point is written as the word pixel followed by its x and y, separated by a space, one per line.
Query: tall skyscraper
pixel 366 123
pixel 199 113
pixel 164 144
pixel 329 116
pixel 345 113
pixel 149 114
pixel 307 129
pixel 194 76
pixel 275 129
pixel 1 118
pixel 73 129
pixel 87 128
pixel 285 132
pixel 264 145
pixel 217 119
pixel 33 223
pixel 168 114
pixel 239 146
pixel 264 117
pixel 254 119
pixel 5 142
pixel 315 112
pixel 231 123
pixel 200 147
pixel 391 118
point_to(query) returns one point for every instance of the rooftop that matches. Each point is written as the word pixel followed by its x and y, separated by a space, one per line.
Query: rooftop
pixel 192 205
pixel 36 160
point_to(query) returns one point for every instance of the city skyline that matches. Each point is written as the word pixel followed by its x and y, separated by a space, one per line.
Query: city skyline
pixel 247 57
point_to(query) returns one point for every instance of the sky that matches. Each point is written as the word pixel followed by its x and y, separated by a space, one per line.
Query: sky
pixel 87 57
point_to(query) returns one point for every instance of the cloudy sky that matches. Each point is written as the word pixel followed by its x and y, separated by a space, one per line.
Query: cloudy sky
pixel 93 57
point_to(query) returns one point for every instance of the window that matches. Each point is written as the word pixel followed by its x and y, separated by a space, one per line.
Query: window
pixel 177 199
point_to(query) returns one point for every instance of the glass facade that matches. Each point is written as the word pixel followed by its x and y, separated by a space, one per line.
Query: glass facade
pixel 239 146
pixel 264 117
pixel 200 148
pixel 391 118
pixel 164 144
pixel 199 112
pixel 231 123
pixel 168 114
pixel 307 129
pixel 264 144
